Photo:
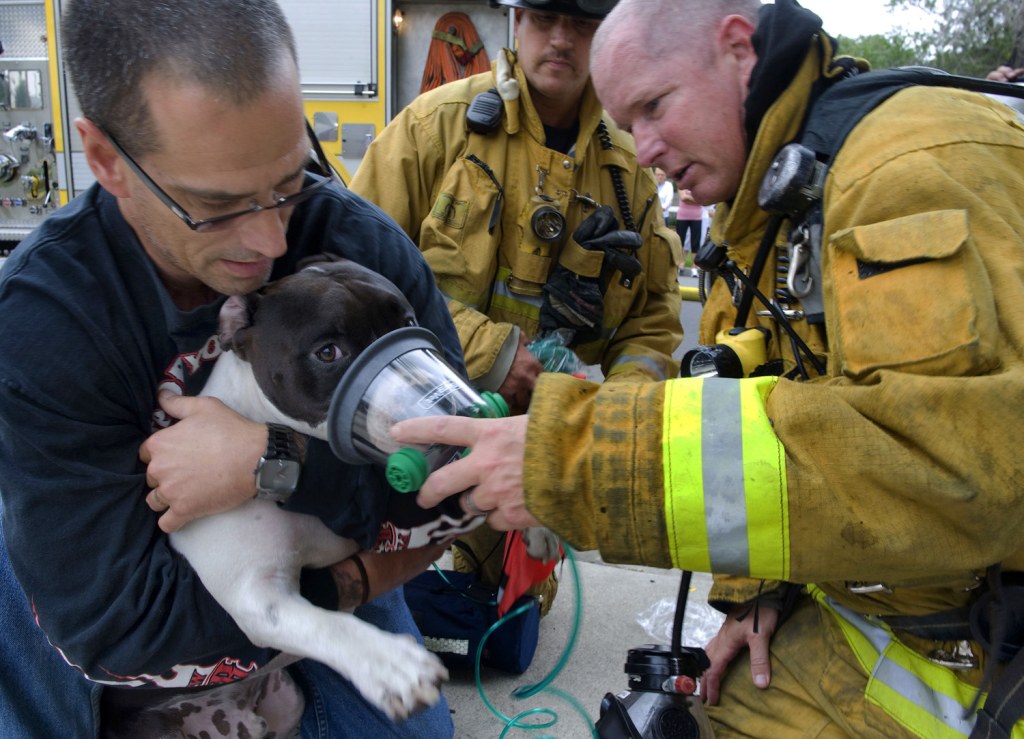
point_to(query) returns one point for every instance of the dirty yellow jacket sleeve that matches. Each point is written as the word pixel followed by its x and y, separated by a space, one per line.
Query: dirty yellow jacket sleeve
pixel 686 473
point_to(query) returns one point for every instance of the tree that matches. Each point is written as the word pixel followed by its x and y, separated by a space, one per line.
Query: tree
pixel 882 51
pixel 971 36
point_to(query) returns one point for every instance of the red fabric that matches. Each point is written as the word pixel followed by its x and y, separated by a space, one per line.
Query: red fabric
pixel 520 572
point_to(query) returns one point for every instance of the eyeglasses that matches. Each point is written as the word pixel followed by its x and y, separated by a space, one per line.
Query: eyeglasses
pixel 214 223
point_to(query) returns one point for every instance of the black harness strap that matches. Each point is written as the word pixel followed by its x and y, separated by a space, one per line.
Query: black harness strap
pixel 1005 703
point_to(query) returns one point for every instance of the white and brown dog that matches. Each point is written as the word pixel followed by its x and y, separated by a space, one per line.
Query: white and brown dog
pixel 286 348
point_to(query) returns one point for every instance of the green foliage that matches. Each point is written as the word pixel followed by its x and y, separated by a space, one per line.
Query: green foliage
pixel 969 37
pixel 881 51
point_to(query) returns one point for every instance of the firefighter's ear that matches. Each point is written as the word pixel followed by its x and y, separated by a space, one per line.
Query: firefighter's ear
pixel 107 167
pixel 735 43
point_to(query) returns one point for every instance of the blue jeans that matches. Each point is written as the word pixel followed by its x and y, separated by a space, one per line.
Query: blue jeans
pixel 333 707
pixel 42 696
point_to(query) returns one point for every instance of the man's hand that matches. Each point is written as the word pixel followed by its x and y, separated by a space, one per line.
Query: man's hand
pixel 517 388
pixel 493 469
pixel 730 640
pixel 204 463
pixel 1006 74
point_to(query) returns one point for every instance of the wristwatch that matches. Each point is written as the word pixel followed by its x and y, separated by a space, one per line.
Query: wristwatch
pixel 277 474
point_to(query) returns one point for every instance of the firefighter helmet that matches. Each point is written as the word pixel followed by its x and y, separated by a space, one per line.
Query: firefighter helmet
pixel 583 8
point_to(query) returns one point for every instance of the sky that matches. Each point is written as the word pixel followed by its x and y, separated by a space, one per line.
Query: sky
pixel 853 18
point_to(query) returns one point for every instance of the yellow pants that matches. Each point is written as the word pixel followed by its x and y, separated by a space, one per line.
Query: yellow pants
pixel 817 687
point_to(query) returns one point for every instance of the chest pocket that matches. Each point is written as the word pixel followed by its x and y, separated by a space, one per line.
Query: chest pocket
pixel 912 294
pixel 459 237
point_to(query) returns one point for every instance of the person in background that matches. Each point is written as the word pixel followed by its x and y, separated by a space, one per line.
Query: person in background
pixel 666 192
pixel 863 523
pixel 1006 73
pixel 531 209
pixel 688 226
pixel 198 142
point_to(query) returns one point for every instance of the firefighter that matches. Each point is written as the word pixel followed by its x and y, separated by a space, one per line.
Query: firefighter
pixel 880 497
pixel 530 208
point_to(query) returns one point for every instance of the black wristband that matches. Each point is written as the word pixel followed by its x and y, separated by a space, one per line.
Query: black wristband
pixel 362 573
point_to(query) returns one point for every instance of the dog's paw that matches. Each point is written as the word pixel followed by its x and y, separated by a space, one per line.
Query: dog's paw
pixel 541 543
pixel 403 677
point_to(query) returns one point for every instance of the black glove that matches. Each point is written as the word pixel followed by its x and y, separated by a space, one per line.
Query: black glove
pixel 574 301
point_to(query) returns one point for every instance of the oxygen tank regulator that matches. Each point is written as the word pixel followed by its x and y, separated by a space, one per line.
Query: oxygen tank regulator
pixel 792 189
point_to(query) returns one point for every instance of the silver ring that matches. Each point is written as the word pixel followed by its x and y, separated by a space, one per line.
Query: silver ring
pixel 159 500
pixel 471 507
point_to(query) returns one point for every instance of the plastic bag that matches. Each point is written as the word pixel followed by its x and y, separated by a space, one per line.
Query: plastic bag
pixel 552 351
pixel 699 626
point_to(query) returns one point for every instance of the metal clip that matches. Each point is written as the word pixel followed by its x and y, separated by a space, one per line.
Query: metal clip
pixel 791 314
pixel 960 658
pixel 575 195
pixel 864 588
pixel 541 174
pixel 798 282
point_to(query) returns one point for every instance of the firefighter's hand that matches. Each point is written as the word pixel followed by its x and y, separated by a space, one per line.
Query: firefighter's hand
pixel 493 469
pixel 204 463
pixel 517 389
pixel 732 638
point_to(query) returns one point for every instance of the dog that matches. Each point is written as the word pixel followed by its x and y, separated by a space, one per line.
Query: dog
pixel 286 347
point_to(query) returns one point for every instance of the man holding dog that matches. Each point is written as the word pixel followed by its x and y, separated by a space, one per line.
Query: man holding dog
pixel 503 173
pixel 880 498
pixel 194 129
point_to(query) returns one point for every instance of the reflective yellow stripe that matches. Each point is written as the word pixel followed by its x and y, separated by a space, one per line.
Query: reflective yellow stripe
pixel 504 299
pixel 921 696
pixel 725 466
pixel 682 464
pixel 764 467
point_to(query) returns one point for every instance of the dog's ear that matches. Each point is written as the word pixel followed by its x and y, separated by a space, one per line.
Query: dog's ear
pixel 320 258
pixel 235 316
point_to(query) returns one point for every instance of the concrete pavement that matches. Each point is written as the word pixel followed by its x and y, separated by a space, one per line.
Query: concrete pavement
pixel 619 604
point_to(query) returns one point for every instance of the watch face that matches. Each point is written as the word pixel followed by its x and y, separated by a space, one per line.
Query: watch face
pixel 279 476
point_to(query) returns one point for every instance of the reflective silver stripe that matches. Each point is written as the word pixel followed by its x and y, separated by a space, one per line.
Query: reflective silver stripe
pixel 725 503
pixel 653 366
pixel 909 686
pixel 500 288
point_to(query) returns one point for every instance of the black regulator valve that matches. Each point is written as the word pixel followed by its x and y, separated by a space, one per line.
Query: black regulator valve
pixel 662 700
pixel 795 179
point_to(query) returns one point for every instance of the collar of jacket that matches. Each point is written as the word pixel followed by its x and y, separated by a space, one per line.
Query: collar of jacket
pixel 521 115
pixel 780 124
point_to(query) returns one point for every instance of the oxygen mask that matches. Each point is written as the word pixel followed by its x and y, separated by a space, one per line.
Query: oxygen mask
pixel 402 375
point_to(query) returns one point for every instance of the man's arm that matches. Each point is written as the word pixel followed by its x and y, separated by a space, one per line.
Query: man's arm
pixel 380 572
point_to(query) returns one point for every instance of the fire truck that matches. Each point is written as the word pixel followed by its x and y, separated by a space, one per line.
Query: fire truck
pixel 360 62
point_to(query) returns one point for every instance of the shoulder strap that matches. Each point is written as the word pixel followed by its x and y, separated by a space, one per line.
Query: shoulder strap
pixel 841 107
pixel 830 118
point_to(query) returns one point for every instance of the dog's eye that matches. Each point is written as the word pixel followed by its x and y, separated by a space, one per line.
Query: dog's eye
pixel 328 353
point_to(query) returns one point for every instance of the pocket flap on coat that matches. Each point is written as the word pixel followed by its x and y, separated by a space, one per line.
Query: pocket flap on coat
pixel 936 234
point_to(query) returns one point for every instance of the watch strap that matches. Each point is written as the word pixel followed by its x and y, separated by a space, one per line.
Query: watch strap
pixel 280 443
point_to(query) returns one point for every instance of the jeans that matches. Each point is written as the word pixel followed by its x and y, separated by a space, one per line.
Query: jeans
pixel 333 707
pixel 42 696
